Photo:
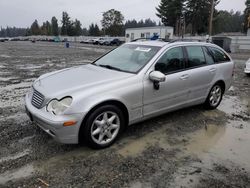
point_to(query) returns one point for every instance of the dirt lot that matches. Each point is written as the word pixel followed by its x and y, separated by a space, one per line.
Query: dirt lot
pixel 187 148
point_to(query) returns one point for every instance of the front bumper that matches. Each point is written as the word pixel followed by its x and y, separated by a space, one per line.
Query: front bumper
pixel 53 125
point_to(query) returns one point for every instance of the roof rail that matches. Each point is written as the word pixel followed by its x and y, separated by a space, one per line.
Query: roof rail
pixel 186 40
pixel 168 40
pixel 149 39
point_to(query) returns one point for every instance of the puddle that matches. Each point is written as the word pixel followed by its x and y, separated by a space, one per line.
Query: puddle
pixel 225 142
pixel 232 105
pixel 203 140
pixel 136 146
pixel 23 172
pixel 16 156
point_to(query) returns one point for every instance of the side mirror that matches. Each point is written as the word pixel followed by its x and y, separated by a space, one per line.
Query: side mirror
pixel 157 76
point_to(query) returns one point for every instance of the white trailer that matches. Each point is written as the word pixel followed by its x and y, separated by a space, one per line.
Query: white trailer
pixel 165 32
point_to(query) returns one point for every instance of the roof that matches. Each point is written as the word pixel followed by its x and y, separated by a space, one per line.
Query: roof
pixel 162 43
pixel 154 27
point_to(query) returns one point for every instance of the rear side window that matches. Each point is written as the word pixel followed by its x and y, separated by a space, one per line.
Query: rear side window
pixel 208 56
pixel 219 56
pixel 195 56
pixel 172 61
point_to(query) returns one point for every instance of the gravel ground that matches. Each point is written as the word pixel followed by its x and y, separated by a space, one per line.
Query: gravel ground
pixel 187 148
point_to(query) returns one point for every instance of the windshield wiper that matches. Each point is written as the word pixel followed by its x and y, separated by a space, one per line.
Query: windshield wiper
pixel 110 67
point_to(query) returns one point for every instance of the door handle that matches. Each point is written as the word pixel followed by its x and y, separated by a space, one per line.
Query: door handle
pixel 212 70
pixel 184 77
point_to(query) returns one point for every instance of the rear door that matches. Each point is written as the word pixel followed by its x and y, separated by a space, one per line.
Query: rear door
pixel 201 70
pixel 224 65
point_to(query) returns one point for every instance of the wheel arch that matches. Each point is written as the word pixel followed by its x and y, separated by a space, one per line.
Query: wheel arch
pixel 116 103
pixel 222 84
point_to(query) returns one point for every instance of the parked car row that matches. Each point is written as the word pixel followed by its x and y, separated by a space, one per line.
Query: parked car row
pixel 103 41
pixel 3 40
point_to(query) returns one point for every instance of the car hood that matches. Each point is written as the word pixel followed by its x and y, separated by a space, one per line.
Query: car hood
pixel 66 81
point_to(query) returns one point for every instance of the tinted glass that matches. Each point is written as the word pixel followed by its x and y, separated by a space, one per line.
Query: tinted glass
pixel 208 56
pixel 128 58
pixel 171 61
pixel 219 56
pixel 195 56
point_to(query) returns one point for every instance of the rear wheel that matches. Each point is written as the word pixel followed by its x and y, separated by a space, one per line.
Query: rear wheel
pixel 214 97
pixel 103 126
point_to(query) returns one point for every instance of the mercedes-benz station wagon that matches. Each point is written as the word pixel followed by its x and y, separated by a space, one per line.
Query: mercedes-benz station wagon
pixel 136 81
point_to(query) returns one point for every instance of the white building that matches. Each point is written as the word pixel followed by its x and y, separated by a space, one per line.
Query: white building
pixel 164 32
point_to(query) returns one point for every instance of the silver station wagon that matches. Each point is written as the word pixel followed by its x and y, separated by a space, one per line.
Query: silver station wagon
pixel 139 80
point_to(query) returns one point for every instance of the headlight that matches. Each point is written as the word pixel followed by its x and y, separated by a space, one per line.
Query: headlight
pixel 57 107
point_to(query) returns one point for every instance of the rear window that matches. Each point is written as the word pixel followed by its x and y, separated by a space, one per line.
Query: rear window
pixel 208 56
pixel 219 55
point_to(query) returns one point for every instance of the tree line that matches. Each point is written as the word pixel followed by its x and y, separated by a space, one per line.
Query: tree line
pixel 192 15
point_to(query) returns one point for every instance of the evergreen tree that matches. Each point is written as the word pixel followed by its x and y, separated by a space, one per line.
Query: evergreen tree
pixel 13 32
pixel 54 26
pixel 228 21
pixel 97 31
pixel 66 24
pixel 94 30
pixel 197 15
pixel 246 14
pixel 134 24
pixel 170 11
pixel 35 29
pixel 77 28
pixel 85 31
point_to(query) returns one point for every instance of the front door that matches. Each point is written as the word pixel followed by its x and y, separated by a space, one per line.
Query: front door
pixel 174 91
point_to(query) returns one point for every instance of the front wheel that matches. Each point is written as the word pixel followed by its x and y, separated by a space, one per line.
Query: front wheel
pixel 103 126
pixel 214 97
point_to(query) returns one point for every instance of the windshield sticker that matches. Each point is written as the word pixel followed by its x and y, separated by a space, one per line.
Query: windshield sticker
pixel 141 49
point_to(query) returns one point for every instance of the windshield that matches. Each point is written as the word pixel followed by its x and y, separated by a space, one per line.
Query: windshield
pixel 128 58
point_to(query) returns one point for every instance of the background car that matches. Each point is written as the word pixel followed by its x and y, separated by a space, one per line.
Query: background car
pixel 112 42
pixel 247 68
pixel 98 41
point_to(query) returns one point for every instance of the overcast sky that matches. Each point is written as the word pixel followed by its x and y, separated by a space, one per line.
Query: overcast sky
pixel 22 13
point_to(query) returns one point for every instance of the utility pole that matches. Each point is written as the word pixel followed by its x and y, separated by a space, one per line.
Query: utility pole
pixel 211 18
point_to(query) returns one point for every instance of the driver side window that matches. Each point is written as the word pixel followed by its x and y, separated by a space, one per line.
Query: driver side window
pixel 172 61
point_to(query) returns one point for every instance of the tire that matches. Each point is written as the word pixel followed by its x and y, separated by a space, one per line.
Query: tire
pixel 103 126
pixel 214 97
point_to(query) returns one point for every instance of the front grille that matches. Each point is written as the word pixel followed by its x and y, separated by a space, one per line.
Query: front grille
pixel 37 99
